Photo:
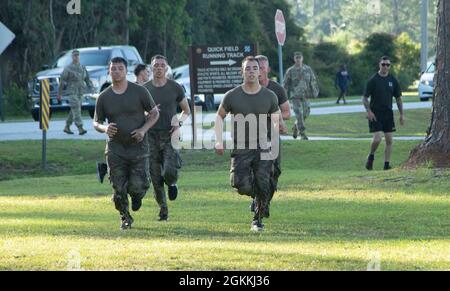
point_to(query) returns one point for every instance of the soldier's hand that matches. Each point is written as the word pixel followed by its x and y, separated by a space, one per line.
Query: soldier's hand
pixel 219 149
pixel 111 130
pixel 371 116
pixel 138 135
pixel 283 128
pixel 402 120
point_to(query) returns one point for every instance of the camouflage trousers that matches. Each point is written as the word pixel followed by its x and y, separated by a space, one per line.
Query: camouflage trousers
pixel 254 177
pixel 127 176
pixel 75 111
pixel 276 172
pixel 165 164
pixel 302 110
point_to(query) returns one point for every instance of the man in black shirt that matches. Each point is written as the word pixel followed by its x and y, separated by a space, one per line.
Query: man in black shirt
pixel 381 88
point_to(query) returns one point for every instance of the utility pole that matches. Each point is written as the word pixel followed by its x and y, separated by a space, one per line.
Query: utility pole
pixel 424 36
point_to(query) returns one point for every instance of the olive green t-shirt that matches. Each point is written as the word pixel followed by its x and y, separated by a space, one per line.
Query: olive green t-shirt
pixel 279 91
pixel 127 110
pixel 167 97
pixel 253 108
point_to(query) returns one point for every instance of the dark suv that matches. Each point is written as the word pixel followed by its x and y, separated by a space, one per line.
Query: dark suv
pixel 96 60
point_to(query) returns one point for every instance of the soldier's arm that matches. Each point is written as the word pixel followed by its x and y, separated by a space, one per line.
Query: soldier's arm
pixel 88 80
pixel 314 85
pixel 185 110
pixel 221 115
pixel 287 82
pixel 286 110
pixel 62 82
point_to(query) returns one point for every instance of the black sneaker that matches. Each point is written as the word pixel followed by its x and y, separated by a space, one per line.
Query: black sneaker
pixel 369 163
pixel 173 192
pixel 136 204
pixel 126 222
pixel 257 226
pixel 304 136
pixel 102 169
pixel 387 167
pixel 164 214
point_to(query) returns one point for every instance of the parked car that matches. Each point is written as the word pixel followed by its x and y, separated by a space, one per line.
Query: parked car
pixel 209 102
pixel 96 60
pixel 426 84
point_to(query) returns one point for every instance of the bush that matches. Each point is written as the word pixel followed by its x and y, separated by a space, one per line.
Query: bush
pixel 15 100
pixel 407 67
pixel 327 58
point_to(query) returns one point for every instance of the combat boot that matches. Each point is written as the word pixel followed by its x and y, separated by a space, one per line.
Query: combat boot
pixel 126 222
pixel 295 132
pixel 81 130
pixel 67 130
pixel 173 192
pixel 164 214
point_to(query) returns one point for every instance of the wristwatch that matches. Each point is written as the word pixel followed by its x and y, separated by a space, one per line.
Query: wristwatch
pixel 180 123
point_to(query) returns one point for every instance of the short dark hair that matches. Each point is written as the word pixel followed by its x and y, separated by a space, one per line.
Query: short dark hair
pixel 139 68
pixel 385 58
pixel 158 57
pixel 117 60
pixel 249 59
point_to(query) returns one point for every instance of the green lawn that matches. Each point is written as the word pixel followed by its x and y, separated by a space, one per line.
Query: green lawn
pixel 355 125
pixel 329 214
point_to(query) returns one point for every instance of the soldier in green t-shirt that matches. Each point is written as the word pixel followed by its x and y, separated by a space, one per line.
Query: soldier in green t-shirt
pixel 165 160
pixel 124 106
pixel 256 118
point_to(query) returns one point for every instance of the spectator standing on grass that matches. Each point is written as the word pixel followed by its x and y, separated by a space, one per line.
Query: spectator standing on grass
pixel 343 80
pixel 381 89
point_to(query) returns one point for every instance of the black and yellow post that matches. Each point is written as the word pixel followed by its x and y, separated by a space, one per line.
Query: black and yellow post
pixel 44 118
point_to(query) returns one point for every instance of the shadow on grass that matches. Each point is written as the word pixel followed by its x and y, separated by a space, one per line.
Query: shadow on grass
pixel 299 220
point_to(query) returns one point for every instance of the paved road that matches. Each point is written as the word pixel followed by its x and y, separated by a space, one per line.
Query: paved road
pixel 30 130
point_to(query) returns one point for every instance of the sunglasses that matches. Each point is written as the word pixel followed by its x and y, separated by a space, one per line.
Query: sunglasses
pixel 386 65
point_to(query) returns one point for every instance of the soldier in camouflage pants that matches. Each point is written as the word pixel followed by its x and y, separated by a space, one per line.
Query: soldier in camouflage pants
pixel 128 176
pixel 252 176
pixel 301 84
pixel 165 163
pixel 74 78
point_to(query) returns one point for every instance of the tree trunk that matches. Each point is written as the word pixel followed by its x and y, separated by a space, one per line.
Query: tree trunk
pixel 436 148
pixel 395 17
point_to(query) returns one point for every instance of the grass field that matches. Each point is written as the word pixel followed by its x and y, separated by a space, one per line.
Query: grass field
pixel 329 214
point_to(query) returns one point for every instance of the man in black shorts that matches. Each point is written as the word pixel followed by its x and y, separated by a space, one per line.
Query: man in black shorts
pixel 381 88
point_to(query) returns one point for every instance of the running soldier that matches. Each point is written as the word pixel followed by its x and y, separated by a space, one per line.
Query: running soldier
pixel 283 103
pixel 123 105
pixel 165 160
pixel 255 113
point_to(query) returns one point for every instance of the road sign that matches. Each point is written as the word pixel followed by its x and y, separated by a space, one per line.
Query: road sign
pixel 44 118
pixel 217 69
pixel 45 105
pixel 6 37
pixel 280 27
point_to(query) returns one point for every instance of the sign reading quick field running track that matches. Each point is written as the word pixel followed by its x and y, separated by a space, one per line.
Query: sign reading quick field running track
pixel 217 69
